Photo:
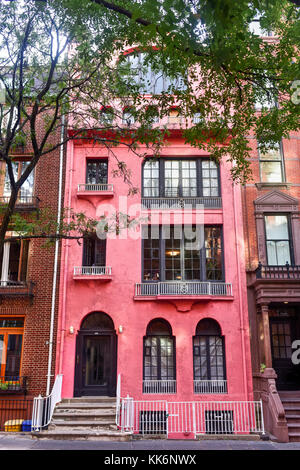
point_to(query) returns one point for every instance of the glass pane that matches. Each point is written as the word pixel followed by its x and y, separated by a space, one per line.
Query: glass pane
pixel 277 227
pixel 97 361
pixel 13 355
pixel 271 154
pixel 271 172
pixel 27 188
pixel 1 351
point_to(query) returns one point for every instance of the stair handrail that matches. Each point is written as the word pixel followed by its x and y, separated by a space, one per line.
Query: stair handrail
pixel 118 401
pixel 43 407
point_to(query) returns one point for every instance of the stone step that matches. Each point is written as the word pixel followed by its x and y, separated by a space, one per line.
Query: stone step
pixel 89 400
pixel 82 425
pixel 294 437
pixel 105 435
pixel 89 414
pixel 84 406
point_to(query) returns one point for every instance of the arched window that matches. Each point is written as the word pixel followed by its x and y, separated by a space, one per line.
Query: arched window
pixel 159 358
pixel 209 358
pixel 97 321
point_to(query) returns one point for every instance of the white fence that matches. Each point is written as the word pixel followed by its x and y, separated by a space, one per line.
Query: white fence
pixel 183 288
pixel 92 270
pixel 209 417
pixel 43 407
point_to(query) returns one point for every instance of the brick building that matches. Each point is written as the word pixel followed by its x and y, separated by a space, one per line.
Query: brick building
pixel 28 300
pixel 271 228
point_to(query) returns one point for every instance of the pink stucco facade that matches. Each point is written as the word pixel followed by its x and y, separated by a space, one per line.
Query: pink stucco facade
pixel 115 294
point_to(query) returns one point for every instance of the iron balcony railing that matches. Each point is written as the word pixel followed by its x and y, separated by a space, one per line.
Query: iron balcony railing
pixel 92 271
pixel 95 187
pixel 210 386
pixel 183 288
pixel 286 271
pixel 16 288
pixel 13 384
pixel 23 202
pixel 159 386
pixel 166 203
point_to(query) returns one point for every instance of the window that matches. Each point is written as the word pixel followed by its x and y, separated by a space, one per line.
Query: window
pixel 177 254
pixel 94 252
pixel 11 339
pixel 174 116
pixel 271 165
pixel 159 354
pixel 13 262
pixel 128 118
pixel 278 240
pixel 180 178
pixel 209 354
pixel 26 190
pixel 149 80
pixel 96 171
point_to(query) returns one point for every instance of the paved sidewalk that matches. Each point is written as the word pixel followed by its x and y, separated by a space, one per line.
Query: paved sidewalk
pixel 19 441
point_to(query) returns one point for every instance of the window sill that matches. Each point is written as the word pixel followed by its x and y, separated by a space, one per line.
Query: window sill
pixel 273 185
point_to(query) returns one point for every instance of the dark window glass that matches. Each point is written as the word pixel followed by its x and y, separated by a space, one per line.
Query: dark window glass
pixel 159 353
pixel 97 321
pixel 209 361
pixel 97 171
pixel 94 252
pixel 213 253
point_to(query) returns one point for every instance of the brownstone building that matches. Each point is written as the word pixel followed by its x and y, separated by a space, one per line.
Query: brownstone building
pixel 272 241
pixel 29 283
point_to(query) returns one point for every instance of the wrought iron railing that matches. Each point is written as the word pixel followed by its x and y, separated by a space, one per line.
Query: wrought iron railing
pixel 23 202
pixel 286 271
pixel 167 203
pixel 92 271
pixel 13 384
pixel 16 288
pixel 183 288
pixel 210 386
pixel 159 386
pixel 95 187
pixel 15 413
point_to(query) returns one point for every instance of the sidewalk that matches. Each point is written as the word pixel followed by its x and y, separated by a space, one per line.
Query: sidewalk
pixel 19 441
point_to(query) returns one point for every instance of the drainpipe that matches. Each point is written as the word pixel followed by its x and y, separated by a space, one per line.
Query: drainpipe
pixel 55 269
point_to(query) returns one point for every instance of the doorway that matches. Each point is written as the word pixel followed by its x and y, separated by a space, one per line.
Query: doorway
pixel 96 357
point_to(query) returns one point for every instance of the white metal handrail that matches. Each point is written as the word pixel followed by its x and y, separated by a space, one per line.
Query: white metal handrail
pixel 210 386
pixel 43 407
pixel 159 386
pixel 202 417
pixel 92 270
pixel 183 288
pixel 95 187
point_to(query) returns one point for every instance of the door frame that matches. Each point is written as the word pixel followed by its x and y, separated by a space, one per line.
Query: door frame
pixel 79 388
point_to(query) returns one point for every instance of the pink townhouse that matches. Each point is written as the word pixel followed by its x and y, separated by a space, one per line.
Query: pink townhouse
pixel 157 312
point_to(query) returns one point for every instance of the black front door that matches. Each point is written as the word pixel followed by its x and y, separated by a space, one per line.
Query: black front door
pixel 283 332
pixel 95 372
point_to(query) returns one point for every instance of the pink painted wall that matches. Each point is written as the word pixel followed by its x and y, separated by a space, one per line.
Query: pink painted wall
pixel 116 297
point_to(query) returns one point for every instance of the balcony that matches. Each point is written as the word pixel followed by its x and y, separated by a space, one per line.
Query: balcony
pixel 24 203
pixel 189 289
pixel 167 203
pixel 278 272
pixel 159 386
pixel 210 386
pixel 92 273
pixel 13 385
pixel 16 289
pixel 88 189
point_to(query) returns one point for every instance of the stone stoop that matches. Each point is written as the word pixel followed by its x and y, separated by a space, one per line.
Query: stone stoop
pixel 291 404
pixel 84 418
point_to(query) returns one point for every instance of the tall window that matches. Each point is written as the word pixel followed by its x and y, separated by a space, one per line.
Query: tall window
pixel 159 354
pixel 271 165
pixel 209 355
pixel 180 178
pixel 11 338
pixel 26 190
pixel 149 80
pixel 278 240
pixel 97 171
pixel 179 253
pixel 13 262
pixel 94 252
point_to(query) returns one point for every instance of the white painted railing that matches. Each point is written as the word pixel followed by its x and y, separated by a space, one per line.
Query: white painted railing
pixel 183 288
pixel 166 203
pixel 204 417
pixel 159 386
pixel 43 407
pixel 210 386
pixel 92 270
pixel 95 187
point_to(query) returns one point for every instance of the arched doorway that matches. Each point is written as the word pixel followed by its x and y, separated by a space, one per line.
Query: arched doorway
pixel 96 357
